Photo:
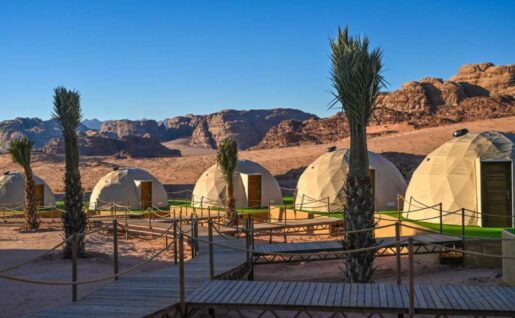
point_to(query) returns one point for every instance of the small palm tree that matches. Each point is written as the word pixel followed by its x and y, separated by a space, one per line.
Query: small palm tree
pixel 67 113
pixel 357 80
pixel 20 152
pixel 227 159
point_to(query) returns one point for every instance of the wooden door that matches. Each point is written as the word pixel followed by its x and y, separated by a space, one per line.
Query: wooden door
pixel 496 189
pixel 254 188
pixel 146 194
pixel 40 194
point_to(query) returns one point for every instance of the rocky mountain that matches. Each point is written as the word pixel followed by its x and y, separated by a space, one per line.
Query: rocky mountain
pixel 123 128
pixel 93 144
pixel 93 124
pixel 247 127
pixel 478 91
pixel 37 130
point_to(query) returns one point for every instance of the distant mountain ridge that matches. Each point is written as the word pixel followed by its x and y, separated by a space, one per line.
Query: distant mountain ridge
pixel 477 91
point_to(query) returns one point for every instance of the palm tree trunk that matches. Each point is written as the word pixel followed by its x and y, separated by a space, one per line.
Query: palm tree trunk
pixel 230 204
pixel 359 209
pixel 74 219
pixel 31 209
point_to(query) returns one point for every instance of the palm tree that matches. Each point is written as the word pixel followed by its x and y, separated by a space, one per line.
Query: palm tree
pixel 227 159
pixel 356 80
pixel 20 152
pixel 67 113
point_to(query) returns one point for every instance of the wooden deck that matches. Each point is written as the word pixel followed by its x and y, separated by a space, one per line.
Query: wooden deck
pixel 363 298
pixel 333 249
pixel 157 291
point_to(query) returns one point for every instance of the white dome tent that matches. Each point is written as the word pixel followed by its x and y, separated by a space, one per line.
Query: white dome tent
pixel 131 187
pixel 472 171
pixel 254 187
pixel 321 185
pixel 12 191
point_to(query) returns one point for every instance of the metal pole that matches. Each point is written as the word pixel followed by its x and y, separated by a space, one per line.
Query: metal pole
pixel 398 251
pixel 398 207
pixel 175 242
pixel 285 223
pixel 211 251
pixel 411 280
pixel 182 288
pixel 463 227
pixel 126 225
pixel 328 207
pixel 74 267
pixel 115 247
pixel 441 218
pixel 251 229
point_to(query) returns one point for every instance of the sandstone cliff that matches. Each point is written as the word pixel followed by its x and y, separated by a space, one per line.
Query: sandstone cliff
pixel 478 91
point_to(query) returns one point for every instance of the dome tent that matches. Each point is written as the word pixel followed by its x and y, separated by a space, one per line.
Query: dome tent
pixel 322 182
pixel 130 187
pixel 254 187
pixel 12 190
pixel 472 171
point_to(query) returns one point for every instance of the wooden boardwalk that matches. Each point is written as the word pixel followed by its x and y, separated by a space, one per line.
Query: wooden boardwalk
pixel 155 292
pixel 333 249
pixel 363 298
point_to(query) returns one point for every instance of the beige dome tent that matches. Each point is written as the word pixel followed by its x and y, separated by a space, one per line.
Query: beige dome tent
pixel 12 191
pixel 473 171
pixel 321 185
pixel 254 187
pixel 130 187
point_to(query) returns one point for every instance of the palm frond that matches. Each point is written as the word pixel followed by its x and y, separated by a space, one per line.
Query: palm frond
pixel 227 158
pixel 20 151
pixel 67 109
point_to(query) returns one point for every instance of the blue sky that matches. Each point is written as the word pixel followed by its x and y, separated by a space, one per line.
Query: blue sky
pixel 158 59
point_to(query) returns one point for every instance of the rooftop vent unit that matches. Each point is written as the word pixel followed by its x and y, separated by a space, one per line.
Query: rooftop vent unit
pixel 460 132
pixel 330 149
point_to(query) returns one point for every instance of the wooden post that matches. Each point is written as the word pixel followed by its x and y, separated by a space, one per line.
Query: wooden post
pixel 74 267
pixel 398 251
pixel 175 242
pixel 285 223
pixel 149 219
pixel 398 207
pixel 411 280
pixel 182 288
pixel 441 218
pixel 115 247
pixel 209 212
pixel 251 254
pixel 211 250
pixel 463 227
pixel 126 226
pixel 328 207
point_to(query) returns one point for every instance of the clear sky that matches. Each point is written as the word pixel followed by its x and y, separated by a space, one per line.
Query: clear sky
pixel 158 59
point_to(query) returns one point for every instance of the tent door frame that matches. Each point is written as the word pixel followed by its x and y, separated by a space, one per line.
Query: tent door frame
pixel 145 188
pixel 509 191
pixel 39 194
pixel 251 189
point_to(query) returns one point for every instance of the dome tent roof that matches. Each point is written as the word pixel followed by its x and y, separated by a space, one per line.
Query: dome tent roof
pixel 324 179
pixel 451 175
pixel 122 186
pixel 210 187
pixel 12 190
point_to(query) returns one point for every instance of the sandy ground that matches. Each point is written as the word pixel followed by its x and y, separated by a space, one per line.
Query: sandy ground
pixel 19 299
pixel 186 170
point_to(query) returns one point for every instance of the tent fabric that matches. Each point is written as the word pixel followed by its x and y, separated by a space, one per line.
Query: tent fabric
pixel 323 181
pixel 209 190
pixel 122 187
pixel 12 190
pixel 451 175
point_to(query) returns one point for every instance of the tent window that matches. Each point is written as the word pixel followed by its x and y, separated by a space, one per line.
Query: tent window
pixel 496 189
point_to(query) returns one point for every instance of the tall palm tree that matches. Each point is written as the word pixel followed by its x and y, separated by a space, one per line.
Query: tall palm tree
pixel 357 80
pixel 67 112
pixel 227 159
pixel 20 152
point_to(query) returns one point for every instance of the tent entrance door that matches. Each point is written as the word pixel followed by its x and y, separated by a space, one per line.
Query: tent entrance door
pixel 39 194
pixel 146 194
pixel 254 188
pixel 496 189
